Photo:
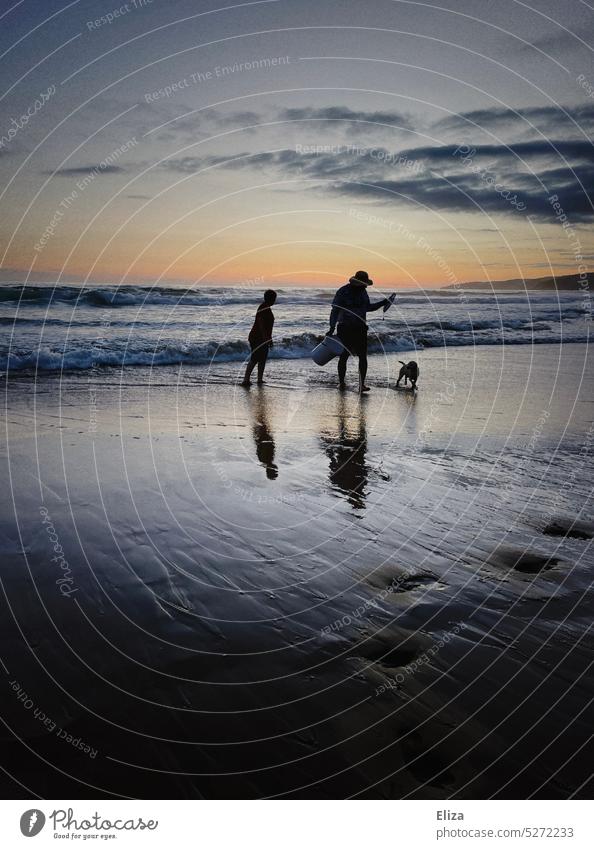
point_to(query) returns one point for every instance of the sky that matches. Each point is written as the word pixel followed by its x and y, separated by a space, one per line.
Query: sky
pixel 296 141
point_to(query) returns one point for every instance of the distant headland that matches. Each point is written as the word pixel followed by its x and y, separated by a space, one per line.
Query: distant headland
pixel 564 283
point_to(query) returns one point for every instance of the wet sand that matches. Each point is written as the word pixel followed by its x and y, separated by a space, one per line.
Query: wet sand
pixel 290 591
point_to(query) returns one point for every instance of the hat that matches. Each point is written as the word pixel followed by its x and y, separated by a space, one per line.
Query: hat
pixel 361 278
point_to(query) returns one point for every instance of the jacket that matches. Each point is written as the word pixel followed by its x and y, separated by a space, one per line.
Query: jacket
pixel 351 305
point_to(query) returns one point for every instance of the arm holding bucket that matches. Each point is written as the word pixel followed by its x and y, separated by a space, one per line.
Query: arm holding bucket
pixel 335 312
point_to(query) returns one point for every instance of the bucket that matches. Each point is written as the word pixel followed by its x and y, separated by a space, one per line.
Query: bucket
pixel 328 348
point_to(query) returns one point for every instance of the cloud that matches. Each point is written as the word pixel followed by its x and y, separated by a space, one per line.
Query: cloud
pixel 466 195
pixel 548 119
pixel 84 170
pixel 561 40
pixel 194 164
pixel 435 176
pixel 343 113
pixel 428 191
pixel 200 123
pixel 329 161
pixel 455 187
pixel 576 151
pixel 205 122
pixel 448 184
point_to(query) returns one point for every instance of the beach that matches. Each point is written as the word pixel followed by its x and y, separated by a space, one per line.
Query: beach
pixel 232 571
pixel 294 592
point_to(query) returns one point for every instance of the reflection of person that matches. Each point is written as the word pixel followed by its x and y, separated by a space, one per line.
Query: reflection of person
pixel 346 452
pixel 265 448
pixel 349 309
pixel 260 337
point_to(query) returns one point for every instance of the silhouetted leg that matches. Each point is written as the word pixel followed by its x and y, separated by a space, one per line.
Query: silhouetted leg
pixel 362 370
pixel 248 371
pixel 362 352
pixel 342 366
pixel 253 362
pixel 363 367
pixel 262 364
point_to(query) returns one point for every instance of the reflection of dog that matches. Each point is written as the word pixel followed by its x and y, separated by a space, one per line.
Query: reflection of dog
pixel 409 371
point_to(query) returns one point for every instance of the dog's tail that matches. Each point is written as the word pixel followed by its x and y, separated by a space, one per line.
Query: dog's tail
pixel 400 361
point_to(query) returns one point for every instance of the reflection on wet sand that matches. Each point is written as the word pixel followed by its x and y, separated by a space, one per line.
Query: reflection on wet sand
pixel 346 449
pixel 408 403
pixel 265 447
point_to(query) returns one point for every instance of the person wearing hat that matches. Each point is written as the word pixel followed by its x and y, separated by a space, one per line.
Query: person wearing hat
pixel 349 310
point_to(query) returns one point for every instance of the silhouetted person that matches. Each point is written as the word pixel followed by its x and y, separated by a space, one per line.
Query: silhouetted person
pixel 346 452
pixel 260 337
pixel 263 438
pixel 349 310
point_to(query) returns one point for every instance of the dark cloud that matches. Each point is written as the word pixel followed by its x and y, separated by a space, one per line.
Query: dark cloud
pixel 338 161
pixel 439 178
pixel 84 170
pixel 469 193
pixel 582 151
pixel 206 121
pixel 548 119
pixel 343 113
pixel 552 121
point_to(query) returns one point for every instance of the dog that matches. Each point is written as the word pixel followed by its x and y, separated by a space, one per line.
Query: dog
pixel 409 371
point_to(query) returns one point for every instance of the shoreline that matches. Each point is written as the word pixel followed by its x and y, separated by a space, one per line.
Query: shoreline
pixel 214 368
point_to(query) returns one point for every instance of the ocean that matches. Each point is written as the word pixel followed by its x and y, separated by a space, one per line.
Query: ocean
pixel 50 326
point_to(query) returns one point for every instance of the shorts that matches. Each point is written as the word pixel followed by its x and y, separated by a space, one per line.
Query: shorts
pixel 354 338
pixel 259 352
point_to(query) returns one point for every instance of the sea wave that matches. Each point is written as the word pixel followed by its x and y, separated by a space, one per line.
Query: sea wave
pixel 85 356
pixel 469 324
pixel 153 296
pixel 24 295
pixel 121 296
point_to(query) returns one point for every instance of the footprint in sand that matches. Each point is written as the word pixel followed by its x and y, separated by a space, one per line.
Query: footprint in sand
pixel 520 560
pixel 567 527
pixel 401 580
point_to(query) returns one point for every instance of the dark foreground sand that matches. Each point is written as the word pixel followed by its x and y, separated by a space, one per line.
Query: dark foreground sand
pixel 294 592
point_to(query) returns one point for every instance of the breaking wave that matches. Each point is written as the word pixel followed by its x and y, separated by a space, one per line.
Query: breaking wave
pixel 25 295
pixel 81 356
